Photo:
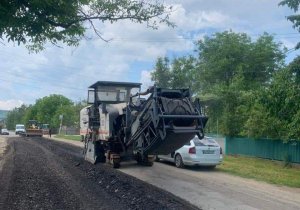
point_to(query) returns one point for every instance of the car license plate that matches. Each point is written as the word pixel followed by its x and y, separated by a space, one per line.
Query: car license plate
pixel 208 151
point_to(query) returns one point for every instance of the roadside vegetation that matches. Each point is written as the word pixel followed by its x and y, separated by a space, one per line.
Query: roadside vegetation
pixel 243 83
pixel 262 170
pixel 47 110
pixel 69 137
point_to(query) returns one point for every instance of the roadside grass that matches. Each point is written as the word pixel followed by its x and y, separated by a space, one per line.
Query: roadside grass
pixel 260 169
pixel 69 137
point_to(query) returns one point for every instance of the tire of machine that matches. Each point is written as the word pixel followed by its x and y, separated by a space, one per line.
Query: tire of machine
pixel 116 164
pixel 143 160
pixel 100 153
pixel 114 160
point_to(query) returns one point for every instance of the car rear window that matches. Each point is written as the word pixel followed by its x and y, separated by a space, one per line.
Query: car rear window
pixel 204 142
pixel 210 141
pixel 188 143
pixel 198 142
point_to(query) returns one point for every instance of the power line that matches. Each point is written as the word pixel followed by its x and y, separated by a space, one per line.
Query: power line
pixel 55 67
pixel 38 87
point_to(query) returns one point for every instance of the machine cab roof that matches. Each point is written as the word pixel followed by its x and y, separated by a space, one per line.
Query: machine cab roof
pixel 111 92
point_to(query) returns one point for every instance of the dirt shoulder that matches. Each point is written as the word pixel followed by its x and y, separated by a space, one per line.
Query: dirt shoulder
pixel 3 147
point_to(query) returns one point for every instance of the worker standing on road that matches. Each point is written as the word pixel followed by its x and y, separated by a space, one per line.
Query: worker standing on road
pixel 50 132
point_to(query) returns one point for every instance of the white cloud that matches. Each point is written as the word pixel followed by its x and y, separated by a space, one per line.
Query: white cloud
pixel 199 19
pixel 289 44
pixel 146 79
pixel 10 104
pixel 134 49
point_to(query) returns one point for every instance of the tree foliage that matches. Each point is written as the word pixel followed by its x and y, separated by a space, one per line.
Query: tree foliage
pixel 161 75
pixel 231 68
pixel 183 69
pixel 16 116
pixel 175 74
pixel 276 113
pixel 244 85
pixel 33 22
pixel 229 58
pixel 47 110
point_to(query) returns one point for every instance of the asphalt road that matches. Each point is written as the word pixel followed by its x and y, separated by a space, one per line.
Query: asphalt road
pixel 212 189
pixel 37 173
pixel 206 189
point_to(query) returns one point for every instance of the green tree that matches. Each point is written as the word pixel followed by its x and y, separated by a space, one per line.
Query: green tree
pixel 70 114
pixel 34 22
pixel 182 71
pixel 30 114
pixel 230 57
pixel 231 68
pixel 175 74
pixel 47 110
pixel 161 74
pixel 276 113
pixel 228 75
pixel 50 107
pixel 16 116
pixel 295 19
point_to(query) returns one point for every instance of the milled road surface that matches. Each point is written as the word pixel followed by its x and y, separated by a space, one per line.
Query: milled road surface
pixel 41 174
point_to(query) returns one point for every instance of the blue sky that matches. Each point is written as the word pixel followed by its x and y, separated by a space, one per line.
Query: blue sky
pixel 131 55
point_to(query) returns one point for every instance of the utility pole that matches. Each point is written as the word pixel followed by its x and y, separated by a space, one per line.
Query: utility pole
pixel 61 119
pixel 217 127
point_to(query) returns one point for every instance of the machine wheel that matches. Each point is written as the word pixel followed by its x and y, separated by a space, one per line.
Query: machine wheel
pixel 116 165
pixel 143 161
pixel 178 161
pixel 148 163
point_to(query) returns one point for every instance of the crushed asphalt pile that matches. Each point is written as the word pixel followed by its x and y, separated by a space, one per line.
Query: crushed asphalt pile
pixel 42 174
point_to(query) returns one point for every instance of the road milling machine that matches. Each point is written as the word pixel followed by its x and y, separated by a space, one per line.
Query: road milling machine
pixel 120 125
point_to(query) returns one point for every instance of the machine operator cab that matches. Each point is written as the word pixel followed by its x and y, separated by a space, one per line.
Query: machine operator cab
pixel 111 100
pixel 107 92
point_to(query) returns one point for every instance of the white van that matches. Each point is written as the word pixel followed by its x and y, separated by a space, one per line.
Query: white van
pixel 20 129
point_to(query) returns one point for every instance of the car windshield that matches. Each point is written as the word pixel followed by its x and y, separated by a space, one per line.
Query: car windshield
pixel 20 127
pixel 4 130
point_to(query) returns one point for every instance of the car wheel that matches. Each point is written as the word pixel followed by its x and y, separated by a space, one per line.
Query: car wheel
pixel 178 161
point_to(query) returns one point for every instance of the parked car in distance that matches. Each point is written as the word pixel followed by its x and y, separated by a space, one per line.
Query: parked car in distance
pixel 196 152
pixel 4 131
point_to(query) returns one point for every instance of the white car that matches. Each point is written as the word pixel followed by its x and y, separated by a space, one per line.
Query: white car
pixel 204 152
pixel 4 131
